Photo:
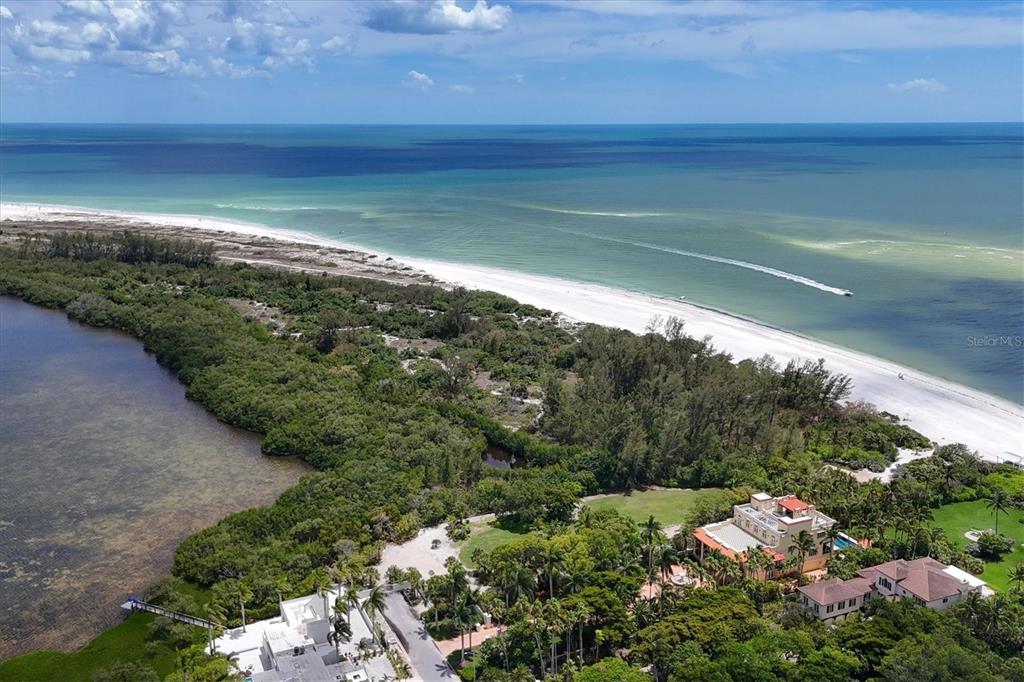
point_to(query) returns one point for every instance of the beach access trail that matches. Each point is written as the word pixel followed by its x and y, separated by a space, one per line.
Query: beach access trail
pixel 942 410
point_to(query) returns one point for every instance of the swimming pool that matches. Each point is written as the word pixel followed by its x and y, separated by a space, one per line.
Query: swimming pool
pixel 842 542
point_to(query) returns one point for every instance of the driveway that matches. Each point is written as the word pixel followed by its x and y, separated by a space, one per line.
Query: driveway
pixel 427 662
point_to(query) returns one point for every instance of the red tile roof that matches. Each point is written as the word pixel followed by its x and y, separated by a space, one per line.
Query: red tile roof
pixel 794 504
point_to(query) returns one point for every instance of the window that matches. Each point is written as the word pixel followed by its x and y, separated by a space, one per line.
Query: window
pixel 841 604
pixel 829 608
pixel 945 599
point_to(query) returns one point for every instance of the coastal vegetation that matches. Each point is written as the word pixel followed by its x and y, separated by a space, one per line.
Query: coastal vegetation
pixel 397 438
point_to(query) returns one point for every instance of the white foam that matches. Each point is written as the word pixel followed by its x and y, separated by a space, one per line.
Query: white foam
pixel 602 214
pixel 782 274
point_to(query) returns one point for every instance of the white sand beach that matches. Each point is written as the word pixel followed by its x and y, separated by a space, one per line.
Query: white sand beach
pixel 944 411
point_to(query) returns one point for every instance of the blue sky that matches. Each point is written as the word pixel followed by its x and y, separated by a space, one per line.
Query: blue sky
pixel 477 61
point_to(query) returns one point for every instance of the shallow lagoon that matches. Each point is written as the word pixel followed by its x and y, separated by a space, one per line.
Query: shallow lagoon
pixel 106 466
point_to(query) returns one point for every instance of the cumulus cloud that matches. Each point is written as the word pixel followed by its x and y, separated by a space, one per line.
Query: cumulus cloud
pixel 462 89
pixel 918 85
pixel 339 44
pixel 259 11
pixel 265 29
pixel 225 69
pixel 32 76
pixel 440 16
pixel 418 80
pixel 518 78
pixel 140 37
pixel 6 13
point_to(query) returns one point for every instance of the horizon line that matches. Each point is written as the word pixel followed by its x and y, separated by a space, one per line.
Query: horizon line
pixel 617 123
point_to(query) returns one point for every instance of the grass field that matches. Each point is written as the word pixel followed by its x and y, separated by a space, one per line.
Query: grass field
pixel 668 507
pixel 958 518
pixel 486 537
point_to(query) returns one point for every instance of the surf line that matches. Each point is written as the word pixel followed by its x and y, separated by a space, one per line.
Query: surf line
pixel 782 274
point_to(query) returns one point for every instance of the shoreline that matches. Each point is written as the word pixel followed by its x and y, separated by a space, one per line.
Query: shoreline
pixel 944 411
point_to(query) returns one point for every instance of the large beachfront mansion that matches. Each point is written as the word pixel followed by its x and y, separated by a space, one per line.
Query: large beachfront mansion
pixel 771 525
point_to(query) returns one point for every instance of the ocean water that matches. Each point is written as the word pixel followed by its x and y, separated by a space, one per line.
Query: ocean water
pixel 922 224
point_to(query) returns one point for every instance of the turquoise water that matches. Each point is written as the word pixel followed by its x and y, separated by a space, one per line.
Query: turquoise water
pixel 922 223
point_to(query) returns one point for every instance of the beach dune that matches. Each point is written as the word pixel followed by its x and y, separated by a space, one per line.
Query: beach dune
pixel 942 410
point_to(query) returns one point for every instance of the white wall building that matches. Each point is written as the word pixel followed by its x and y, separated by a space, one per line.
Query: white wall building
pixel 294 646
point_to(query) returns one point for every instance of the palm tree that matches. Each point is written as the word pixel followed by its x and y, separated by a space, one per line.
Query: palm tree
pixel 554 618
pixel 582 613
pixel 244 596
pixel 374 603
pixel 337 576
pixel 342 633
pixel 832 534
pixel 667 558
pixel 552 561
pixel 803 544
pixel 535 615
pixel 1016 574
pixel 456 577
pixel 651 534
pixel 351 601
pixel 756 562
pixel 586 517
pixel 215 614
pixel 474 598
pixel 998 502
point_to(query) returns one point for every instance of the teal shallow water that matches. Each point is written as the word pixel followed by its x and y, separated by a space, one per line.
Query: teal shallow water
pixel 923 223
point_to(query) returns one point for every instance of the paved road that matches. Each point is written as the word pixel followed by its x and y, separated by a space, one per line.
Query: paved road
pixel 427 661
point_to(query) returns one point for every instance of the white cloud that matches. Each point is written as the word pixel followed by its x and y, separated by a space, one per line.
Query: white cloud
pixel 440 16
pixel 93 9
pixel 259 11
pixel 339 44
pixel 518 78
pixel 419 80
pixel 222 67
pixel 31 76
pixel 462 89
pixel 918 85
pixel 140 37
pixel 5 13
pixel 274 42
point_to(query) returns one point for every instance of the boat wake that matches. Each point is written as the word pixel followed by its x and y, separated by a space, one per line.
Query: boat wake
pixel 271 209
pixel 781 274
pixel 603 214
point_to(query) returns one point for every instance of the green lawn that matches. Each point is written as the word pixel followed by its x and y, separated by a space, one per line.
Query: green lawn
pixel 668 507
pixel 960 517
pixel 485 536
